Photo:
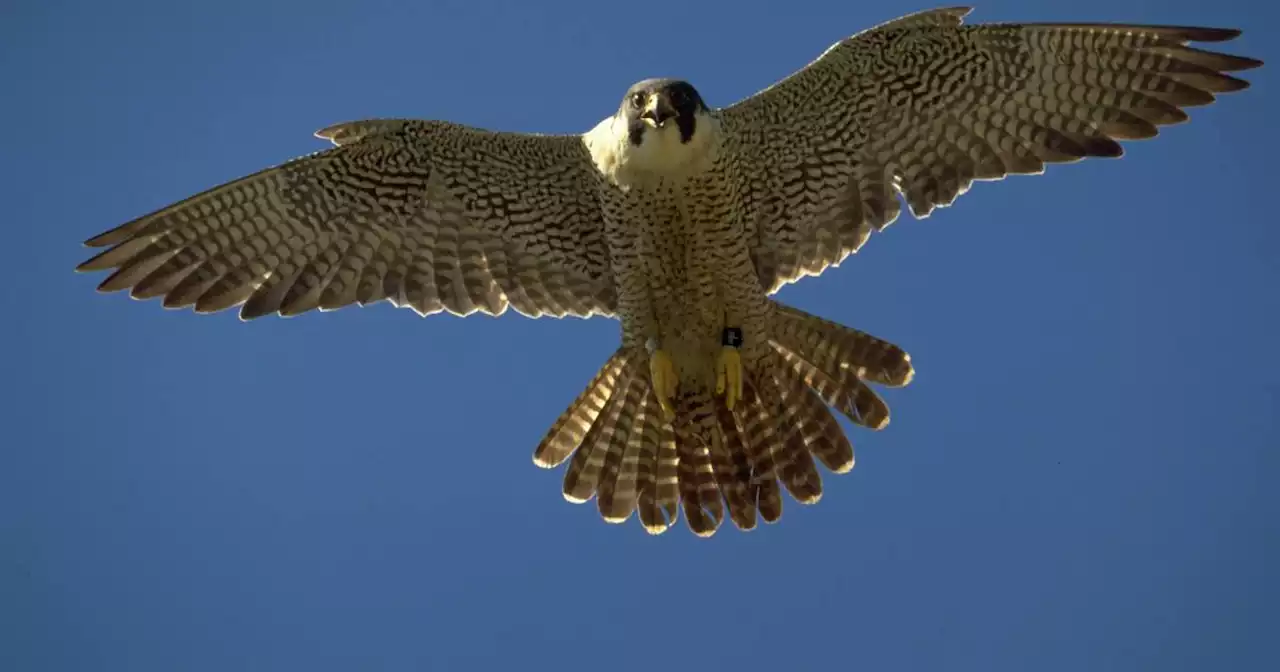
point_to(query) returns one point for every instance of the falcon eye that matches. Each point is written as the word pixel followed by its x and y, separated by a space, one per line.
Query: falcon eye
pixel 637 100
pixel 677 97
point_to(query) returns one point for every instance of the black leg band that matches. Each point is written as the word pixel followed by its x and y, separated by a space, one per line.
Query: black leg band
pixel 731 337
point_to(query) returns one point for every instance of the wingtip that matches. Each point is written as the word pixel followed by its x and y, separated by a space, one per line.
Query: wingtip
pixel 1110 149
pixel 95 263
pixel 1212 34
pixel 1232 84
pixel 111 284
pixel 101 240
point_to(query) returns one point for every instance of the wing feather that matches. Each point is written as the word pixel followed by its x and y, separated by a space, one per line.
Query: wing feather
pixel 427 215
pixel 923 106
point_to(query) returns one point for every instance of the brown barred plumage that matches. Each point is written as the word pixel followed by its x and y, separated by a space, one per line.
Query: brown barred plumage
pixel 726 459
pixel 680 221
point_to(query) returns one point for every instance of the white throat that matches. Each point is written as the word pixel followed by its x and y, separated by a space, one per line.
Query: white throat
pixel 660 156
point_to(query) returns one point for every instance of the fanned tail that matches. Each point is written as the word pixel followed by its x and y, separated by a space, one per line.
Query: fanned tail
pixel 710 462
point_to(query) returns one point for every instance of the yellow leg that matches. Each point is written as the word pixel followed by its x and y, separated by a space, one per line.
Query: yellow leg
pixel 729 375
pixel 663 375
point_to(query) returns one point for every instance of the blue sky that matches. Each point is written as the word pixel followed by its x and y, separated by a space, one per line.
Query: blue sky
pixel 1081 476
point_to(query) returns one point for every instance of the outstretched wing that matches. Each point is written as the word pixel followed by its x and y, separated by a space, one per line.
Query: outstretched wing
pixel 923 106
pixel 424 214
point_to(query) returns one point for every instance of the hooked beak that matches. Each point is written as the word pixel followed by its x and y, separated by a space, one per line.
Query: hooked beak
pixel 659 109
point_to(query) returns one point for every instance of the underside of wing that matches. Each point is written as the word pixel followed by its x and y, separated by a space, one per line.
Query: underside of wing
pixel 923 106
pixel 427 215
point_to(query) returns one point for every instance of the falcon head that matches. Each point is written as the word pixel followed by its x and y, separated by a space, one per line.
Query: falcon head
pixel 661 130
pixel 662 108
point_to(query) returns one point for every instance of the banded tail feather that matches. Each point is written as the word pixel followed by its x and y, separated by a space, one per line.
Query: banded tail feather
pixel 710 463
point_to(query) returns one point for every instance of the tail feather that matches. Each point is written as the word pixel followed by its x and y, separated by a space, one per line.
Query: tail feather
pixel 769 500
pixel 650 434
pixel 582 478
pixel 710 462
pixel 617 492
pixel 660 498
pixel 834 348
pixel 823 435
pixel 572 425
pixel 696 429
pixel 762 437
pixel 842 391
pixel 733 470
pixel 796 468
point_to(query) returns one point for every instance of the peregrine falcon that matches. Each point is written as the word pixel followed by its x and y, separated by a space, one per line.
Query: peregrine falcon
pixel 680 221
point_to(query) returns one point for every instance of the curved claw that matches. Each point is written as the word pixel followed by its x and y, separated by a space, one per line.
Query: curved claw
pixel 729 375
pixel 663 375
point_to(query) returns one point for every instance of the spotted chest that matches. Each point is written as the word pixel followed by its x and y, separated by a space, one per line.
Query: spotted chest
pixel 683 266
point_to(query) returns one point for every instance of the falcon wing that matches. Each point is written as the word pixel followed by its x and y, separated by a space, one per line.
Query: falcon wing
pixel 424 214
pixel 923 106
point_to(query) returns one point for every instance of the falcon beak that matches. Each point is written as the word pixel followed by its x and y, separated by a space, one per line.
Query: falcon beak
pixel 659 110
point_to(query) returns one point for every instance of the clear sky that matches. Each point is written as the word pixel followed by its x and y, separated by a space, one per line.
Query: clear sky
pixel 1081 477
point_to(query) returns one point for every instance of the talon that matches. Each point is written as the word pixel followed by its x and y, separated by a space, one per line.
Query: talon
pixel 729 375
pixel 663 375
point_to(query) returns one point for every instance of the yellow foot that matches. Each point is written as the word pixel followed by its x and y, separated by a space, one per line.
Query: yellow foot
pixel 663 374
pixel 729 375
